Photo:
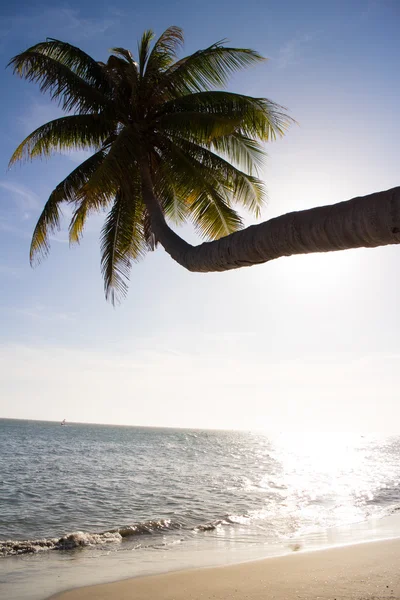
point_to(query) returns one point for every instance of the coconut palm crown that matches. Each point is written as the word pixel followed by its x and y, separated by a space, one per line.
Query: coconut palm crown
pixel 165 144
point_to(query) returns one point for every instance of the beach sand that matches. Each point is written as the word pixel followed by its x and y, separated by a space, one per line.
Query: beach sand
pixel 369 571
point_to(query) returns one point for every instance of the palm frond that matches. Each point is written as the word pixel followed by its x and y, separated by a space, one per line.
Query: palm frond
pixel 122 241
pixel 241 188
pixel 144 50
pixel 199 127
pixel 66 191
pixel 128 68
pixel 78 220
pixel 119 165
pixel 259 118
pixel 73 132
pixel 125 54
pixel 171 195
pixel 71 91
pixel 115 172
pixel 164 52
pixel 47 224
pixel 244 152
pixel 202 190
pixel 207 69
pixel 173 205
pixel 213 218
pixel 74 58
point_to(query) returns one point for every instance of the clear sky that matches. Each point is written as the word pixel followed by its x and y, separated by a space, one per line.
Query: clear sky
pixel 301 343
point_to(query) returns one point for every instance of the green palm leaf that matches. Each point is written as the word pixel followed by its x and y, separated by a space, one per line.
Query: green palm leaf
pixel 117 168
pixel 144 50
pixel 259 118
pixel 207 198
pixel 241 188
pixel 172 195
pixel 122 241
pixel 64 85
pixel 198 127
pixel 163 53
pixel 66 191
pixel 114 173
pixel 207 69
pixel 73 132
pixel 213 217
pixel 122 60
pixel 75 59
pixel 240 150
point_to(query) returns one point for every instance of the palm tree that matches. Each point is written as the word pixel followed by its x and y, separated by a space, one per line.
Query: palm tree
pixel 168 146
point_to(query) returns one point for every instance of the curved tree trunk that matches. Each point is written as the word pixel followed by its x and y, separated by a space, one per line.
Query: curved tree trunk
pixel 364 222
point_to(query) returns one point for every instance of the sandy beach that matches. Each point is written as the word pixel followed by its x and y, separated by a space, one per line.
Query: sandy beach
pixel 368 571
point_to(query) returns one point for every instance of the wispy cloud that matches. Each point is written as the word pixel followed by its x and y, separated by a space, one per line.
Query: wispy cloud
pixel 7 271
pixel 10 228
pixel 290 53
pixel 25 200
pixel 39 312
pixel 66 23
pixel 371 6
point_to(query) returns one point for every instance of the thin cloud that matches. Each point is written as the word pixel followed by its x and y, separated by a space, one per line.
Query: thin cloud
pixel 25 200
pixel 6 270
pixel 371 6
pixel 9 228
pixel 289 54
pixel 43 313
pixel 61 22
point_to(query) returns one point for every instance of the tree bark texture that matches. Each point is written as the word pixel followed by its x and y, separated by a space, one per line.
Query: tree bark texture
pixel 363 222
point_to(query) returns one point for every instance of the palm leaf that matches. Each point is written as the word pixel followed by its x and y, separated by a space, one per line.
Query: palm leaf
pixel 259 118
pixel 73 132
pixel 121 242
pixel 119 165
pixel 125 54
pixel 64 85
pixel 198 127
pixel 75 59
pixel 213 217
pixel 202 190
pixel 164 52
pixel 172 197
pixel 144 50
pixel 66 191
pixel 241 188
pixel 115 172
pixel 207 69
pixel 241 150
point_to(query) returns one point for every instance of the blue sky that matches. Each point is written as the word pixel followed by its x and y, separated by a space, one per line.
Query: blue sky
pixel 307 342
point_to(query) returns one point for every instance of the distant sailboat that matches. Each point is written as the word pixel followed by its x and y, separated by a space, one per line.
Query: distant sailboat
pixel 63 422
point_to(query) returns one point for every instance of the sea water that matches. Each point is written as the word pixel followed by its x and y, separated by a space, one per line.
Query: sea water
pixel 86 503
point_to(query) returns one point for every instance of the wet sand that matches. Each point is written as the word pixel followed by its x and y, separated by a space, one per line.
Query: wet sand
pixel 369 571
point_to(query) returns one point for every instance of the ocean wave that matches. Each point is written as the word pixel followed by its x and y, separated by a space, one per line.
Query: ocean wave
pixel 67 542
pixel 227 520
pixel 79 539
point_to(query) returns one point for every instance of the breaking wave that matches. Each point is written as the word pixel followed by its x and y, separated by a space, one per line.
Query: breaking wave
pixel 79 539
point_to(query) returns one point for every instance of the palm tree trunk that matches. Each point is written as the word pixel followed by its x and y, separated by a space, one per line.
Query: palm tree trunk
pixel 364 222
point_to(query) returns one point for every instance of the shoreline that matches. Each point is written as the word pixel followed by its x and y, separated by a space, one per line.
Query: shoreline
pixel 67 575
pixel 365 570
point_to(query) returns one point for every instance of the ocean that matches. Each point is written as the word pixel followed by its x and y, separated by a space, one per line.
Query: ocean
pixel 83 503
